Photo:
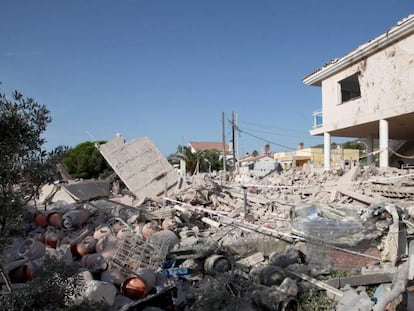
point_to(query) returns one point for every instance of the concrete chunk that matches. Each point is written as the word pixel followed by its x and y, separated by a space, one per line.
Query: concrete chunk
pixel 252 260
pixel 357 196
pixel 361 280
pixel 88 190
pixel 141 166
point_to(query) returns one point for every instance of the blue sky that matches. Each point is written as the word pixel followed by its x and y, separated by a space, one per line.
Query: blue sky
pixel 167 69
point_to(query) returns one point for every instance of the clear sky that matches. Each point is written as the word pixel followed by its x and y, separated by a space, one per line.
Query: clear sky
pixel 167 69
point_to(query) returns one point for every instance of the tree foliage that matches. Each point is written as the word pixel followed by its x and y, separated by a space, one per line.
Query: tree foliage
pixel 85 161
pixel 24 165
pixel 51 289
pixel 353 145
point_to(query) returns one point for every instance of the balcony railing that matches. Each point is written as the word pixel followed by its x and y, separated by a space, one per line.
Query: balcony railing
pixel 317 119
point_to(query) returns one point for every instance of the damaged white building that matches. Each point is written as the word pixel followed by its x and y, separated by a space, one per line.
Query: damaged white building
pixel 369 94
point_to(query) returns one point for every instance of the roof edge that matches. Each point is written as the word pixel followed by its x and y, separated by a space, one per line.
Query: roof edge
pixel 402 29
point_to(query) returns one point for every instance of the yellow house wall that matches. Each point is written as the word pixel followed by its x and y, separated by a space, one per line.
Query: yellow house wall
pixel 316 155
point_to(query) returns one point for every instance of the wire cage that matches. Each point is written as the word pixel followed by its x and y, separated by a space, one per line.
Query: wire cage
pixel 136 253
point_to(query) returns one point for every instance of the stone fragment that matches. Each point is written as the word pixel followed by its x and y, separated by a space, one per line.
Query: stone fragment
pixel 141 166
pixel 352 298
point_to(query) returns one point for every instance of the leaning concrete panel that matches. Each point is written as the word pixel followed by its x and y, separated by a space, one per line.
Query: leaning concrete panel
pixel 88 190
pixel 140 165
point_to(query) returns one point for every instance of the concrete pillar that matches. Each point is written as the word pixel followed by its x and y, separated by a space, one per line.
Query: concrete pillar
pixel 183 168
pixel 383 143
pixel 327 151
pixel 370 149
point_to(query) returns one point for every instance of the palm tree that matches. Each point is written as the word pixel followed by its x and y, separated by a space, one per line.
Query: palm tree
pixel 212 160
pixel 206 161
pixel 184 153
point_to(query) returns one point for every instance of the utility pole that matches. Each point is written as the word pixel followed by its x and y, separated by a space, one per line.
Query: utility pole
pixel 224 146
pixel 238 141
pixel 233 125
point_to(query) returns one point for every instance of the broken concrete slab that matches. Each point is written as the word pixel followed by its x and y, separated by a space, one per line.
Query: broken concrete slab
pixel 251 260
pixel 351 175
pixel 141 166
pixel 358 197
pixel 54 193
pixel 394 242
pixel 87 190
pixel 361 280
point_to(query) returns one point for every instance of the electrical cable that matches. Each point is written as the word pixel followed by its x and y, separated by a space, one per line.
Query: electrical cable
pixel 263 139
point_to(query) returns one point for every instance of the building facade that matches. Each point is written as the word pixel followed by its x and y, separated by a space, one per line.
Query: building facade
pixel 369 94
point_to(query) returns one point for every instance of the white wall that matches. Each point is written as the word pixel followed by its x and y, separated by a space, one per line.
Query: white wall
pixel 387 88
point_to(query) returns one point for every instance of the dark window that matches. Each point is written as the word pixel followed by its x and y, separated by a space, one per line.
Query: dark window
pixel 350 88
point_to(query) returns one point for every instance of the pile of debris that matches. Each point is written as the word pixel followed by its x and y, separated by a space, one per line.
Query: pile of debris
pixel 246 243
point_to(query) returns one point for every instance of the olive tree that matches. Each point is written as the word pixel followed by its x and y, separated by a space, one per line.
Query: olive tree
pixel 25 166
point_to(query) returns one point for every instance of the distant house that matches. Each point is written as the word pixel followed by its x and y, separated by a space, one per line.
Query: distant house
pixel 369 94
pixel 250 159
pixel 196 146
pixel 206 145
pixel 339 157
pixel 260 165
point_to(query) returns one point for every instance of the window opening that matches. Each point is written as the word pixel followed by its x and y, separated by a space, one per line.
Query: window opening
pixel 350 88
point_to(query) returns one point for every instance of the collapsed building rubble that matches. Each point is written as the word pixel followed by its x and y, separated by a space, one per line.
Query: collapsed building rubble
pixel 250 244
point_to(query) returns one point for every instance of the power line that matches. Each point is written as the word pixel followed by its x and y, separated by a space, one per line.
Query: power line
pixel 266 140
pixel 268 126
pixel 273 133
pixel 257 137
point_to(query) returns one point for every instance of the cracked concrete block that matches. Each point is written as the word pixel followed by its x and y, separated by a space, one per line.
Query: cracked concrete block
pixel 353 298
pixel 252 260
pixel 141 166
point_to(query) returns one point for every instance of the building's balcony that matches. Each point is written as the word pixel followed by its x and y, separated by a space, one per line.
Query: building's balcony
pixel 317 119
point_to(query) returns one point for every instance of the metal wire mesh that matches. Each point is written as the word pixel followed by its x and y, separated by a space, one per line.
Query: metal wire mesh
pixel 135 253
